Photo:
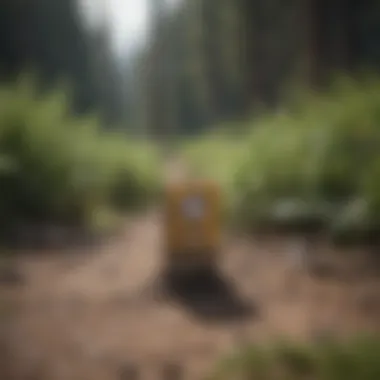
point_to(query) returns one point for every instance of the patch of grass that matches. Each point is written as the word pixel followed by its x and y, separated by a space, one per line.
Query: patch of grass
pixel 355 359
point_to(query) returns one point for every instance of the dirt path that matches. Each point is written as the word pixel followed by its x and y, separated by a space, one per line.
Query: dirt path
pixel 88 314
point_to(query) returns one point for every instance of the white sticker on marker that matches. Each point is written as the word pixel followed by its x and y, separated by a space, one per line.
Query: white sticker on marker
pixel 193 208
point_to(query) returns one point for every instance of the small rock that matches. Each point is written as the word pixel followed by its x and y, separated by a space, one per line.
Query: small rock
pixel 10 275
pixel 129 371
pixel 322 269
pixel 172 371
pixel 368 301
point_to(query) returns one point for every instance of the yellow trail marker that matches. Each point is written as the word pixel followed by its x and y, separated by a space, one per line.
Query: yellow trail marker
pixel 192 226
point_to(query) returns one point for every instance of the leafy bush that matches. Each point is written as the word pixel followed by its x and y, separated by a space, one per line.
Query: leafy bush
pixel 325 151
pixel 356 359
pixel 321 154
pixel 57 168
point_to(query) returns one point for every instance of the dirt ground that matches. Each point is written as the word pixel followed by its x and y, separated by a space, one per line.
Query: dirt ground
pixel 94 314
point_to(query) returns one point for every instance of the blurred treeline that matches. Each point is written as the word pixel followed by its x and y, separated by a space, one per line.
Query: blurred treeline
pixel 226 59
pixel 205 62
pixel 51 38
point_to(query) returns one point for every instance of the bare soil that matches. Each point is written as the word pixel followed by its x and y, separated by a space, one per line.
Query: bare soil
pixel 95 314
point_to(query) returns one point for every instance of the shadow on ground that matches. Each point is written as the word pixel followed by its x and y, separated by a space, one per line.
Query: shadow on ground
pixel 210 296
pixel 40 238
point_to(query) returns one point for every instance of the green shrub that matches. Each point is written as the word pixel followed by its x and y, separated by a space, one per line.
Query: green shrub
pixel 58 168
pixel 327 151
pixel 355 359
pixel 320 154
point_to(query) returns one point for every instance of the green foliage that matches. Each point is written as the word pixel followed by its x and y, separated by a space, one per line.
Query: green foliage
pixel 319 159
pixel 356 359
pixel 56 168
